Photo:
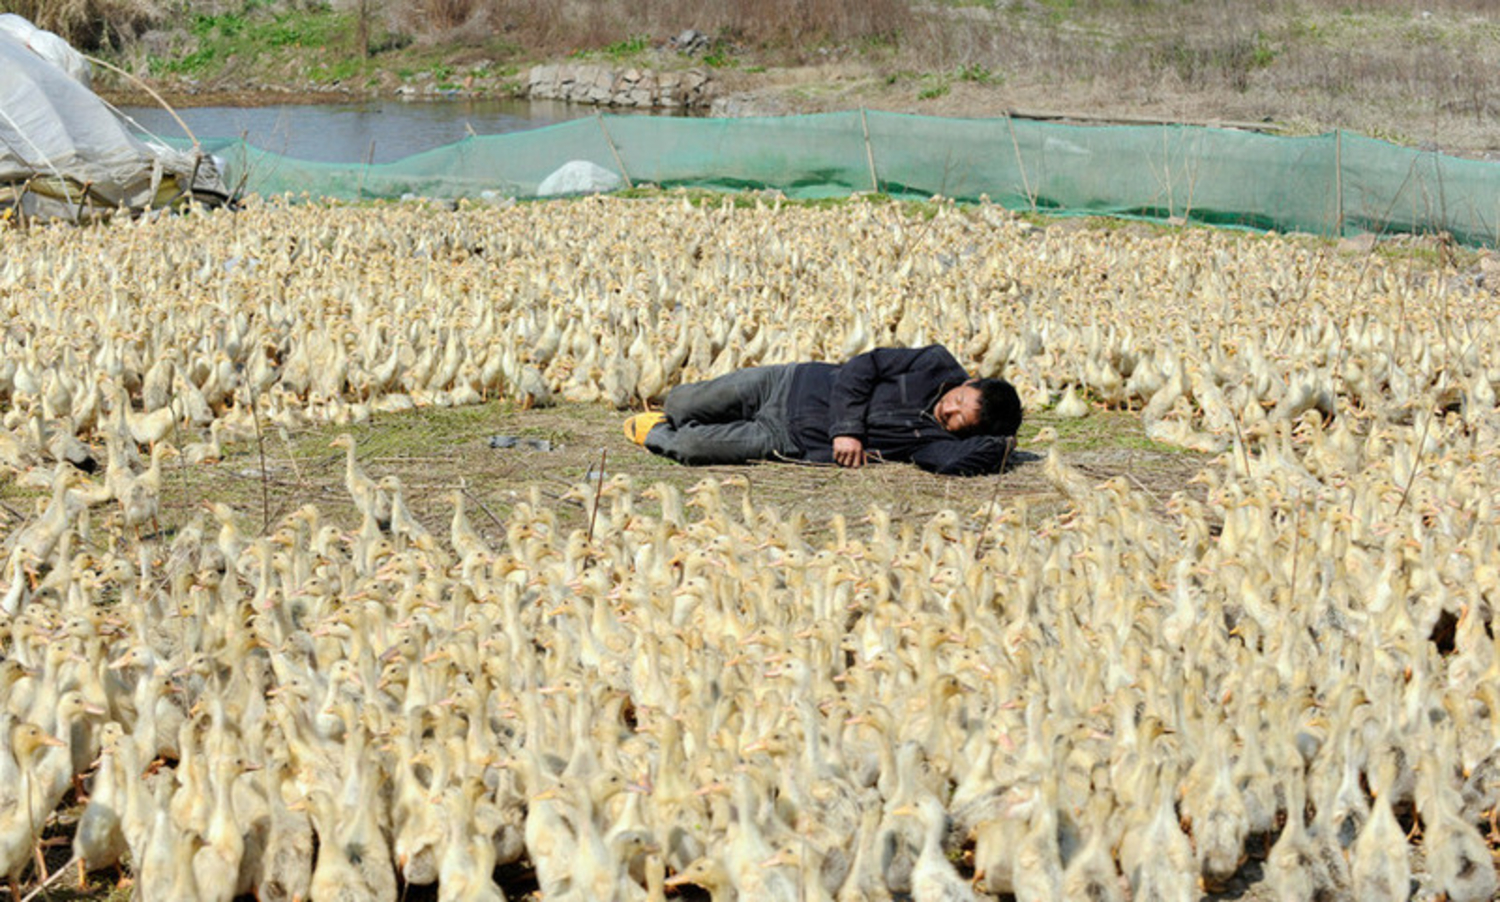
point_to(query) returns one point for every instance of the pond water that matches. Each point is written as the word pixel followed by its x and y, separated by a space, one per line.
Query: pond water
pixel 374 131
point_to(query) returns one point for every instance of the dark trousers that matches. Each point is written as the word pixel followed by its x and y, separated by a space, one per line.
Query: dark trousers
pixel 736 418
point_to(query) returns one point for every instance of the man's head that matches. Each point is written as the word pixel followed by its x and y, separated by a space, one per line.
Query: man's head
pixel 980 407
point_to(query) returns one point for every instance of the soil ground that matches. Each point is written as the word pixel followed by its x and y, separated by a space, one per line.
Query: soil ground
pixel 559 452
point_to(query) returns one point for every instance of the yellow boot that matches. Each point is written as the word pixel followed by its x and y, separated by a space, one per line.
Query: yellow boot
pixel 637 427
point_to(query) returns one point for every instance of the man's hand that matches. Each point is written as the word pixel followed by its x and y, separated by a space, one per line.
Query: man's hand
pixel 848 451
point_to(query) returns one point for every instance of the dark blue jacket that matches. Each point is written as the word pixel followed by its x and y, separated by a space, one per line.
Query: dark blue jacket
pixel 885 399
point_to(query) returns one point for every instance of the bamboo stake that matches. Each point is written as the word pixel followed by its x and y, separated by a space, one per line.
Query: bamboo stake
pixel 1338 177
pixel 613 150
pixel 147 88
pixel 1020 163
pixel 869 151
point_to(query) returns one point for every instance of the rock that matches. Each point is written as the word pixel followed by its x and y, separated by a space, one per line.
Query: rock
pixel 578 177
pixel 496 198
pixel 542 80
pixel 634 87
pixel 691 41
pixel 738 106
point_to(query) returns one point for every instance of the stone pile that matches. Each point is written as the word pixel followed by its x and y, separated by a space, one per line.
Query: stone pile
pixel 631 87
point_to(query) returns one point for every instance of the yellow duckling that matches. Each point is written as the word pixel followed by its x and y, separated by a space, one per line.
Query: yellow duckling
pixel 165 868
pixel 933 877
pixel 216 865
pixel 1379 862
pixel 286 860
pixel 21 821
pixel 99 840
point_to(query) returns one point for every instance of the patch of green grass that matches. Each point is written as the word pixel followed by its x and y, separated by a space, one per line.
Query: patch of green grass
pixel 934 89
pixel 252 33
pixel 619 51
pixel 976 73
pixel 743 200
pixel 337 71
pixel 1101 430
pixel 1429 252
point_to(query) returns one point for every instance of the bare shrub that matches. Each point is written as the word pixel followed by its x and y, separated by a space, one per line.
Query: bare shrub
pixel 432 17
pixel 90 24
pixel 774 21
pixel 591 24
pixel 1406 6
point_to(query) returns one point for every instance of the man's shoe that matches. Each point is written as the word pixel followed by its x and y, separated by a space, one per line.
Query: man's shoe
pixel 638 426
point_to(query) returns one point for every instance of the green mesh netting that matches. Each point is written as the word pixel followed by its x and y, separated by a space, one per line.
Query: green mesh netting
pixel 1333 185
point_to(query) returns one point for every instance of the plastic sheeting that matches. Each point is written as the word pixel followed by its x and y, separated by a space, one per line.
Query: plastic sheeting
pixel 64 153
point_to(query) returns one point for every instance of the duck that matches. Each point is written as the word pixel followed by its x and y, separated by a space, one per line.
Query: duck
pixel 1217 812
pixel 165 868
pixel 1090 873
pixel 1457 857
pixel 466 872
pixel 1379 861
pixel 353 861
pixel 1071 406
pixel 369 500
pixel 403 522
pixel 549 838
pixel 59 767
pixel 286 858
pixel 466 540
pixel 419 826
pixel 21 821
pixel 35 541
pixel 99 839
pixel 933 877
pixel 1038 869
pixel 216 863
pixel 709 873
pixel 141 497
pixel 1291 867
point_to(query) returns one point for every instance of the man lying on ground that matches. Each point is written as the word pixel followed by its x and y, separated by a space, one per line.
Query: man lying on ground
pixel 889 404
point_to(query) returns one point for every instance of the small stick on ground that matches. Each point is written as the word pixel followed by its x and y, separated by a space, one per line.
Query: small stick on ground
pixel 260 448
pixel 51 879
pixel 463 487
pixel 598 494
pixel 1416 464
pixel 994 497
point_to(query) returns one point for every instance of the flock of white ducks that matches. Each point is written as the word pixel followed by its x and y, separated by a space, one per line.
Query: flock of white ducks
pixel 1295 664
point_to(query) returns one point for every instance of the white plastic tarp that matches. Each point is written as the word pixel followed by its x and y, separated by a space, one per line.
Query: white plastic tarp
pixel 59 136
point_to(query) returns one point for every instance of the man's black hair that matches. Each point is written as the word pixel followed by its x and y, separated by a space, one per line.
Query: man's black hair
pixel 999 407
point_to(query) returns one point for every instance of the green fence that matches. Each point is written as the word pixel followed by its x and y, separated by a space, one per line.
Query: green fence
pixel 1332 185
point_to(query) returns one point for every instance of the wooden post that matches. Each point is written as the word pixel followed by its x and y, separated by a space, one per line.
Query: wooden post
pixel 1338 178
pixel 359 188
pixel 1020 163
pixel 616 153
pixel 869 151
